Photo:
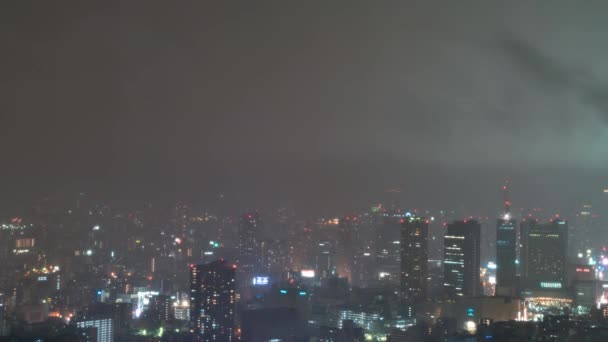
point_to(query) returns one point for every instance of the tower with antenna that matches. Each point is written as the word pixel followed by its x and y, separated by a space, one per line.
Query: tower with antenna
pixel 506 247
pixel 507 199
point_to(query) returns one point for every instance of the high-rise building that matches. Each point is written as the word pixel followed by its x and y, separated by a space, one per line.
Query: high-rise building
pixel 121 313
pixel 104 326
pixel 212 300
pixel 5 326
pixel 323 257
pixel 544 248
pixel 506 252
pixel 388 251
pixel 461 258
pixel 160 309
pixel 585 231
pixel 347 238
pixel 414 258
pixel 250 225
pixel 506 248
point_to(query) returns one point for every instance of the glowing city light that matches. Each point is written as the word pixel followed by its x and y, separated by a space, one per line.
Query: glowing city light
pixel 307 273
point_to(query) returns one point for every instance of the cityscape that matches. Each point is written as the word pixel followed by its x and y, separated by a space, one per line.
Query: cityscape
pixel 75 269
pixel 269 171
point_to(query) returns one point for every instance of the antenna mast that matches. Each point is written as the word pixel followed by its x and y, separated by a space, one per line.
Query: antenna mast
pixel 507 200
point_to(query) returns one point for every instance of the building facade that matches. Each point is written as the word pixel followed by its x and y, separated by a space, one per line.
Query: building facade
pixel 414 258
pixel 250 251
pixel 506 252
pixel 544 248
pixel 212 300
pixel 104 326
pixel 461 259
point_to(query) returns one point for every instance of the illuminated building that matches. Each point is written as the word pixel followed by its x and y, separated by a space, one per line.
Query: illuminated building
pixel 461 259
pixel 120 313
pixel 372 322
pixel 144 298
pixel 212 300
pixel 586 295
pixel 388 251
pixel 25 243
pixel 5 326
pixel 104 326
pixel 544 269
pixel 348 332
pixel 414 257
pixel 345 247
pixel 275 255
pixel 249 244
pixel 604 309
pixel 587 292
pixel 544 249
pixel 300 246
pixel 38 284
pixel 506 242
pixel 181 311
pixel 160 308
pixel 506 248
pixel 465 309
pixel 324 259
pixel 585 231
pixel 362 268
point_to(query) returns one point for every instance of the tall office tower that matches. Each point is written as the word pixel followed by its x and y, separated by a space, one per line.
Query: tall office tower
pixel 388 251
pixel 181 219
pixel 346 246
pixel 585 231
pixel 249 244
pixel 212 300
pixel 544 248
pixel 324 258
pixel 300 246
pixel 414 258
pixel 506 248
pixel 461 258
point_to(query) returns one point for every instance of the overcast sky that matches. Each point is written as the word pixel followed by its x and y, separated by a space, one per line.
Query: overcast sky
pixel 319 104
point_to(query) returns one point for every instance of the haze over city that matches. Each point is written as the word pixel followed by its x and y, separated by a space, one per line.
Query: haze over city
pixel 275 102
pixel 337 151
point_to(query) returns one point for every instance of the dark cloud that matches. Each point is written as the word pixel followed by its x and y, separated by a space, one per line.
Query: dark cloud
pixel 279 100
pixel 554 75
pixel 538 65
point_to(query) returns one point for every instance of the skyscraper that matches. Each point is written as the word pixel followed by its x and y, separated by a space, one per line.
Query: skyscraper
pixel 250 225
pixel 506 252
pixel 461 258
pixel 388 251
pixel 414 258
pixel 506 242
pixel 346 246
pixel 212 300
pixel 544 249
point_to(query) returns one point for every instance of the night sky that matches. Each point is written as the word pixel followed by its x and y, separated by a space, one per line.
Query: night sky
pixel 317 105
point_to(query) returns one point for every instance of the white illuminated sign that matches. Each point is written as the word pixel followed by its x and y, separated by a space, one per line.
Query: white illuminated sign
pixel 382 275
pixel 260 281
pixel 308 273
pixel 550 285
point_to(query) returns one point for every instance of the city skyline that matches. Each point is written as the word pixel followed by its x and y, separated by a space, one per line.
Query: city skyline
pixel 269 171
